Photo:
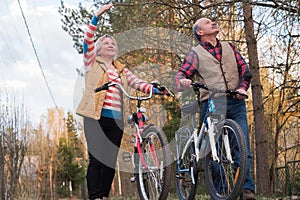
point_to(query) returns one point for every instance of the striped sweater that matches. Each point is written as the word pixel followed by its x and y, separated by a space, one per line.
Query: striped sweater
pixel 112 106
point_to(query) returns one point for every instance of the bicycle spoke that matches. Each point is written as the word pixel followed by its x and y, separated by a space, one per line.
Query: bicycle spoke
pixel 224 179
pixel 186 172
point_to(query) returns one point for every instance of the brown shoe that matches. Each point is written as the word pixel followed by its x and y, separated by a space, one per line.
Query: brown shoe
pixel 247 195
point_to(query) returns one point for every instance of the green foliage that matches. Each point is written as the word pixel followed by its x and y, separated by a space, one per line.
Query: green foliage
pixel 69 164
pixel 125 15
pixel 63 191
pixel 74 141
pixel 75 22
pixel 173 110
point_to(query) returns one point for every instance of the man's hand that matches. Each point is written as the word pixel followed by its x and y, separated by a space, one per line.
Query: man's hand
pixel 242 94
pixel 103 9
pixel 185 83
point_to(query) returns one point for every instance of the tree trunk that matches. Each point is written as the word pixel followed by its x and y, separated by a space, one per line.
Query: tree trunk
pixel 2 164
pixel 262 172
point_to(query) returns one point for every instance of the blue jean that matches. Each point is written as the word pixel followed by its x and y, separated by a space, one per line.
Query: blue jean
pixel 235 109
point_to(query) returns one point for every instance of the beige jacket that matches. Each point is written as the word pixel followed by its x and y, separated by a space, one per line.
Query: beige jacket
pixel 91 103
pixel 210 69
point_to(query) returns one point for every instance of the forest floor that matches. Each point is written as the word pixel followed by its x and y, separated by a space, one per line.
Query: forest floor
pixel 173 196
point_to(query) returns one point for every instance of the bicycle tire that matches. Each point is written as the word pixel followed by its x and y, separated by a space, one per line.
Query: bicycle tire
pixel 185 188
pixel 154 183
pixel 224 180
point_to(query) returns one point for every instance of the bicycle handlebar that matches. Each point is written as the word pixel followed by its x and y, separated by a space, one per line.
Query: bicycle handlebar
pixel 155 85
pixel 197 85
pixel 162 88
pixel 103 87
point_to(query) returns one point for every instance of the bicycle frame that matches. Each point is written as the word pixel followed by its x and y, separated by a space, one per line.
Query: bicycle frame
pixel 216 146
pixel 138 118
pixel 152 176
pixel 206 132
pixel 139 140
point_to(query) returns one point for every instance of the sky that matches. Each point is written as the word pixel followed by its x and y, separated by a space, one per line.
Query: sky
pixel 20 73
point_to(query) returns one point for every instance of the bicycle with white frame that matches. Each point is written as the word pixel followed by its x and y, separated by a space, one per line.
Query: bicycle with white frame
pixel 217 146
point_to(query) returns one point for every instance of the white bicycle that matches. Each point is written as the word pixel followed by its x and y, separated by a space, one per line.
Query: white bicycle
pixel 218 146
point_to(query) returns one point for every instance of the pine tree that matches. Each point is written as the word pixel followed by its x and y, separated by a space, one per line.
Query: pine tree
pixel 70 166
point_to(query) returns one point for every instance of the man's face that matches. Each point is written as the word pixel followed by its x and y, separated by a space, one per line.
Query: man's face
pixel 207 27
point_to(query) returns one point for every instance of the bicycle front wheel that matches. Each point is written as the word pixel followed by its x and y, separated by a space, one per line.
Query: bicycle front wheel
pixel 224 179
pixel 153 182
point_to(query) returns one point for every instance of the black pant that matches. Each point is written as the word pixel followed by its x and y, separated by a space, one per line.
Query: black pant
pixel 103 141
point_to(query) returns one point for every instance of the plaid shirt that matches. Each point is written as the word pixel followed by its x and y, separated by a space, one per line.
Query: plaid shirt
pixel 190 64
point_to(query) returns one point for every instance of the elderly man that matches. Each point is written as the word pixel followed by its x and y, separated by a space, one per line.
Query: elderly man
pixel 219 64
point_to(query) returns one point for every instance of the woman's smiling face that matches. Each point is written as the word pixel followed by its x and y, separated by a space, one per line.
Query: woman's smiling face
pixel 108 48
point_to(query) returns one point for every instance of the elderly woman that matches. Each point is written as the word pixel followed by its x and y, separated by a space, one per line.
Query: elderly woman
pixel 102 112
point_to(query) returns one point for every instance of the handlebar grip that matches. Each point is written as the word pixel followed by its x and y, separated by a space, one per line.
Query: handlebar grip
pixel 244 95
pixel 162 88
pixel 235 92
pixel 198 85
pixel 103 87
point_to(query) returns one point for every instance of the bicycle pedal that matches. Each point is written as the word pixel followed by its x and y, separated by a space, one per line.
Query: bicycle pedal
pixel 132 179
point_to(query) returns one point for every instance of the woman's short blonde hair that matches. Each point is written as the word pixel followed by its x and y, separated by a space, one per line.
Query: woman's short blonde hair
pixel 99 43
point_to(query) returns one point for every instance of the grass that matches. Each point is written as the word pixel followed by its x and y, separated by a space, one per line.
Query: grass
pixel 173 196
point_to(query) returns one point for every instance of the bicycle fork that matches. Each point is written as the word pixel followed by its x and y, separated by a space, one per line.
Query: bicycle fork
pixel 225 139
pixel 140 128
pixel 212 141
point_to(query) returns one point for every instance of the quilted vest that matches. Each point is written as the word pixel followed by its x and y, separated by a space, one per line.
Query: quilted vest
pixel 91 103
pixel 222 75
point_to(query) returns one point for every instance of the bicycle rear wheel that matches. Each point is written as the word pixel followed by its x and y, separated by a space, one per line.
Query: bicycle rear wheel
pixel 186 168
pixel 224 179
pixel 153 183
